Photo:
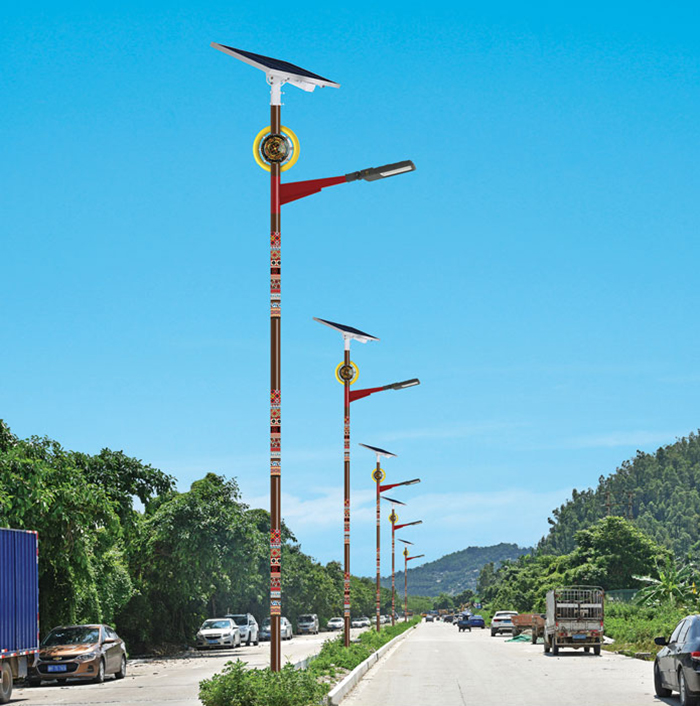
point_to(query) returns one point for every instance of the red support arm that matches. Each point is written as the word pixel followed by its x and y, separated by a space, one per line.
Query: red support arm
pixel 299 189
pixel 359 394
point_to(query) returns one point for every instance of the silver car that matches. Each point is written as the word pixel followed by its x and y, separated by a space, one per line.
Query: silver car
pixel 218 632
pixel 248 627
pixel 286 630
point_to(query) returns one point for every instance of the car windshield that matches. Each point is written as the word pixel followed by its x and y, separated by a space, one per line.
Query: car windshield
pixel 72 636
pixel 240 619
pixel 216 625
pixel 306 618
pixel 266 622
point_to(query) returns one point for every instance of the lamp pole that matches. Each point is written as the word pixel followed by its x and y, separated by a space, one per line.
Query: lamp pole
pixel 393 518
pixel 405 580
pixel 276 148
pixel 347 373
pixel 378 475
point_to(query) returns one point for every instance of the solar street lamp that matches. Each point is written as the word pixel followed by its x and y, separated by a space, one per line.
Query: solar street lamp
pixel 378 476
pixel 405 579
pixel 347 373
pixel 276 149
pixel 393 518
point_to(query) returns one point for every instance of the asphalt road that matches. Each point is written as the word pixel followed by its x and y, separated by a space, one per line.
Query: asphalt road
pixel 165 682
pixel 438 665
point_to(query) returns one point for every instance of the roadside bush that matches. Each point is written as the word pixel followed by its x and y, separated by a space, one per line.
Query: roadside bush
pixel 634 627
pixel 238 686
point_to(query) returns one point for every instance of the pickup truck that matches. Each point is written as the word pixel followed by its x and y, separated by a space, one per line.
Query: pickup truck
pixel 19 606
pixel 464 622
pixel 574 618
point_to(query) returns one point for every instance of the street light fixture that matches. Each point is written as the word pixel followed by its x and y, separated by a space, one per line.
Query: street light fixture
pixel 276 149
pixel 347 373
pixel 405 579
pixel 378 475
pixel 393 518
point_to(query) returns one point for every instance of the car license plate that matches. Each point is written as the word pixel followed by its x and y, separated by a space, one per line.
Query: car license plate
pixel 580 637
pixel 56 668
pixel 212 639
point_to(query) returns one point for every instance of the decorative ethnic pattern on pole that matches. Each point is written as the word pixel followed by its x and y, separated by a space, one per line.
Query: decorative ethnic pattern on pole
pixel 393 518
pixel 275 396
pixel 347 374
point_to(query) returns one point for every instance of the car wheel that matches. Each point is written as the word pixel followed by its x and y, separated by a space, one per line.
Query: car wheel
pixel 493 633
pixel 596 650
pixel 546 644
pixel 534 638
pixel 5 684
pixel 122 669
pixel 247 642
pixel 100 673
pixel 555 647
pixel 586 649
pixel 659 687
pixel 687 699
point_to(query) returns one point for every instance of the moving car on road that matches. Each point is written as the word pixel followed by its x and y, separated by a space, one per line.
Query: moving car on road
pixel 676 666
pixel 502 621
pixel 286 630
pixel 248 627
pixel 218 632
pixel 87 652
pixel 307 624
pixel 335 624
pixel 476 621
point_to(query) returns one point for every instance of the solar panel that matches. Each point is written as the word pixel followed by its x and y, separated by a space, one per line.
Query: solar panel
pixel 391 500
pixel 348 331
pixel 379 451
pixel 282 70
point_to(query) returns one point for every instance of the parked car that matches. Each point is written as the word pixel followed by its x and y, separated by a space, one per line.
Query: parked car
pixel 335 624
pixel 476 621
pixel 286 630
pixel 676 665
pixel 307 624
pixel 218 632
pixel 248 627
pixel 502 621
pixel 88 652
pixel 383 619
pixel 356 623
pixel 428 618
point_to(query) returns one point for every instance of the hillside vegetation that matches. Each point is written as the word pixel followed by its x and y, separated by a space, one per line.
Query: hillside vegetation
pixel 659 492
pixel 456 572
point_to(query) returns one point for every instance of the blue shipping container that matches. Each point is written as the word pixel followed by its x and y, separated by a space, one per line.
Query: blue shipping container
pixel 19 592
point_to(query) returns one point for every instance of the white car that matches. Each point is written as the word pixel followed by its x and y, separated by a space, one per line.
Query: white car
pixel 248 627
pixel 502 621
pixel 356 623
pixel 218 632
pixel 335 624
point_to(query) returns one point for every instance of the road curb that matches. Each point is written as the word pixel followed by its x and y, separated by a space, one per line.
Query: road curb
pixel 341 689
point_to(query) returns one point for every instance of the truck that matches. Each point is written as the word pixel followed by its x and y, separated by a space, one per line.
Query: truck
pixel 574 618
pixel 19 606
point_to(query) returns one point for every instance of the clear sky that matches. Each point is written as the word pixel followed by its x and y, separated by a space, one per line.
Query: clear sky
pixel 538 271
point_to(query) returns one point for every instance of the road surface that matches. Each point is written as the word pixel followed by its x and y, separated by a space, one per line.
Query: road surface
pixel 165 682
pixel 436 665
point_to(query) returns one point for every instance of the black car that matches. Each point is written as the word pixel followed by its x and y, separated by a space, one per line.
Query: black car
pixel 677 666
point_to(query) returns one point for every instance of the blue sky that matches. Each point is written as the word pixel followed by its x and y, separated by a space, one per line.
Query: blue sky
pixel 537 271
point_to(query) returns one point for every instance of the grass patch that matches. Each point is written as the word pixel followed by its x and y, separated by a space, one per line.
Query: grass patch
pixel 634 627
pixel 238 686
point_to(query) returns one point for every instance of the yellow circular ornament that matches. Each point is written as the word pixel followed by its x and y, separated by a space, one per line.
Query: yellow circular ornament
pixel 347 372
pixel 282 149
pixel 378 475
pixel 393 518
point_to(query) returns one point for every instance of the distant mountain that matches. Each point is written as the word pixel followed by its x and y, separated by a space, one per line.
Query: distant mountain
pixel 453 573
